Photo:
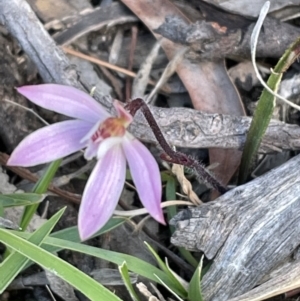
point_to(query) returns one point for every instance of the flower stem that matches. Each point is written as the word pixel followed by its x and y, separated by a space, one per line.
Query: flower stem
pixel 170 155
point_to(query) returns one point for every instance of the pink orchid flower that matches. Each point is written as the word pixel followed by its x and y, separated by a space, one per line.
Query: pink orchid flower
pixel 104 137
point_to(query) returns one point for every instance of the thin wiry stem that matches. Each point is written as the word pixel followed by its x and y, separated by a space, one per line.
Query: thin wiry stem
pixel 170 155
pixel 27 109
pixel 136 212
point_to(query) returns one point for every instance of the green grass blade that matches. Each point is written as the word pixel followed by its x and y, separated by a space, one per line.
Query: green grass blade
pixel 40 187
pixel 258 127
pixel 194 292
pixel 126 278
pixel 171 212
pixel 82 282
pixel 160 263
pixel 172 279
pixel 171 195
pixel 183 283
pixel 266 102
pixel 15 262
pixel 134 264
pixel 169 288
pixel 71 234
pixel 20 199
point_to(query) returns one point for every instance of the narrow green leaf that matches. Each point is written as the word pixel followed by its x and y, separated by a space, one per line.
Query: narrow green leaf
pixel 71 233
pixel 171 212
pixel 183 283
pixel 40 187
pixel 14 263
pixel 160 263
pixel 169 288
pixel 20 199
pixel 171 195
pixel 82 282
pixel 194 291
pixel 187 255
pixel 166 176
pixel 176 283
pixel 259 124
pixel 266 102
pixel 126 278
pixel 134 264
pixel 206 268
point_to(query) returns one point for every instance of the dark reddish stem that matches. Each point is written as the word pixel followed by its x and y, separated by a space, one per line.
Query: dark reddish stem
pixel 170 155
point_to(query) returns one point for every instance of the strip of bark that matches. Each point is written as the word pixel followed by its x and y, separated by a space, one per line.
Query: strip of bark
pixel 248 231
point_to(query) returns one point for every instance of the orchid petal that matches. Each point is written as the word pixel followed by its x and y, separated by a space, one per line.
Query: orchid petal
pixel 122 113
pixel 65 100
pixel 107 144
pixel 91 132
pixel 50 143
pixel 102 192
pixel 91 150
pixel 145 174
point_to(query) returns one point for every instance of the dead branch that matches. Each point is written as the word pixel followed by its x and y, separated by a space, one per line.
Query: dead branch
pixel 94 20
pixel 219 34
pixel 194 129
pixel 181 127
pixel 248 231
pixel 26 174
pixel 19 19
